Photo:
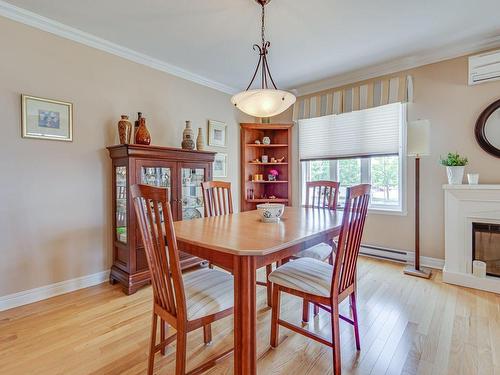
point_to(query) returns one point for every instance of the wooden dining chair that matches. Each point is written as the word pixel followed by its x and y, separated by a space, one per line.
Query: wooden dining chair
pixel 184 302
pixel 324 284
pixel 217 200
pixel 321 194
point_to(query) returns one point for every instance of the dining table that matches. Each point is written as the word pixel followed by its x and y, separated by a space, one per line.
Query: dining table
pixel 242 243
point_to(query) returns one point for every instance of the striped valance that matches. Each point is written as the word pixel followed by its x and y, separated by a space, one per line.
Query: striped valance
pixel 350 98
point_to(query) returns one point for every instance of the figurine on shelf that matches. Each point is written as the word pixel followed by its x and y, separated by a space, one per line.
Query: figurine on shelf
pixel 273 160
pixel 250 194
pixel 266 140
pixel 273 175
pixel 257 142
pixel 280 160
pixel 272 197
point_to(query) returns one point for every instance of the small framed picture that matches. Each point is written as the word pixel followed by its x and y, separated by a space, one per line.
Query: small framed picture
pixel 46 119
pixel 216 133
pixel 220 165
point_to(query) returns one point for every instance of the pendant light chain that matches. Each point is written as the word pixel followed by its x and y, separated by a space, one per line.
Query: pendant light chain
pixel 263 29
pixel 263 51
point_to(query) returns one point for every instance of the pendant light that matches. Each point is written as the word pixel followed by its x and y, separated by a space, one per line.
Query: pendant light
pixel 266 101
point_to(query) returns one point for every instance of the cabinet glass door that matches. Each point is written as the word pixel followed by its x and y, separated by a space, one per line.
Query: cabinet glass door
pixel 191 193
pixel 121 203
pixel 156 176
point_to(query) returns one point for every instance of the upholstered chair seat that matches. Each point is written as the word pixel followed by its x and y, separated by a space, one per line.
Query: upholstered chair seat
pixel 320 251
pixel 307 275
pixel 208 292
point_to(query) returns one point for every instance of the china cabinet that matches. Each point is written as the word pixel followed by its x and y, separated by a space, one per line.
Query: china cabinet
pixel 179 170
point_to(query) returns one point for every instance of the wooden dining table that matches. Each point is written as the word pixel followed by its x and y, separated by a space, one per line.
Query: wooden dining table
pixel 242 243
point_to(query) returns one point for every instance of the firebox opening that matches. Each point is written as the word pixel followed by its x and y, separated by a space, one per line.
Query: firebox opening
pixel 486 246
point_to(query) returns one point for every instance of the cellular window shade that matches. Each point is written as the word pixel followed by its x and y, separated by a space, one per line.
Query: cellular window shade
pixel 368 132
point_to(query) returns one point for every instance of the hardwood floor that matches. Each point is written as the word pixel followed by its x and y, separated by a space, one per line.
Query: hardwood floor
pixel 407 325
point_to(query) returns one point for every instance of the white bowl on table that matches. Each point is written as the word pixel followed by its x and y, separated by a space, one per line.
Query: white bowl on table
pixel 271 212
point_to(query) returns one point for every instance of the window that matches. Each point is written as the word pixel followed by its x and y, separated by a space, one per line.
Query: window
pixel 384 172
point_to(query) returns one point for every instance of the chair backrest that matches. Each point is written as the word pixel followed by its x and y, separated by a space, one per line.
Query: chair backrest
pixel 353 222
pixel 217 198
pixel 154 216
pixel 323 194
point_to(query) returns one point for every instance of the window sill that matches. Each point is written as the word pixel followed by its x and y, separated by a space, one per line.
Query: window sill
pixel 382 211
pixel 387 211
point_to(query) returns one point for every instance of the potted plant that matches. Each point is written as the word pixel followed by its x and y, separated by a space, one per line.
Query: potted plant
pixel 455 165
pixel 273 175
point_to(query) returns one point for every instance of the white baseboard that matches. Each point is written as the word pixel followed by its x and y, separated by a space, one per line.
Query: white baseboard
pixel 37 294
pixel 402 256
pixel 489 283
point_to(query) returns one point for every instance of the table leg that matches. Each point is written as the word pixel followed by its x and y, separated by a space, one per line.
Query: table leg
pixel 245 343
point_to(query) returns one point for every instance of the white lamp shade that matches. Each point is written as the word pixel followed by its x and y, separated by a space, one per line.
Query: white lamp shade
pixel 419 136
pixel 263 102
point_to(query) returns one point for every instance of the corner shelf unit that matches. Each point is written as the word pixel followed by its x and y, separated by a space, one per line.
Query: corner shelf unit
pixel 281 143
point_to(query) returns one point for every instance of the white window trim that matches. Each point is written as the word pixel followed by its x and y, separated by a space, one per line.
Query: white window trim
pixel 401 210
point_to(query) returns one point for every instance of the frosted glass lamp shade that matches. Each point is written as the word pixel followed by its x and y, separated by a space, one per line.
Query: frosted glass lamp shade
pixel 263 102
pixel 419 136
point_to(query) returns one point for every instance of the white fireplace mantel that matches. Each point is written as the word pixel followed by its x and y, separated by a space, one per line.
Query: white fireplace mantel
pixel 464 205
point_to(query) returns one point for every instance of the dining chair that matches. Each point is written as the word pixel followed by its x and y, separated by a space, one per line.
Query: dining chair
pixel 324 284
pixel 321 194
pixel 184 302
pixel 217 200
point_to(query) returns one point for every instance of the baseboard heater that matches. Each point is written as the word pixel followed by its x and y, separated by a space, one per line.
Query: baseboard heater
pixel 384 253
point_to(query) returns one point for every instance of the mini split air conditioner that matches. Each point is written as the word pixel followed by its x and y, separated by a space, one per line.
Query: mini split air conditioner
pixel 484 67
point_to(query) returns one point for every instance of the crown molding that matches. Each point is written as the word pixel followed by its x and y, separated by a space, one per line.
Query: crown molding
pixel 409 62
pixel 57 28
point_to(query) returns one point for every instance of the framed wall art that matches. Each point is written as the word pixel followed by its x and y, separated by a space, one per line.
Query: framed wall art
pixel 216 133
pixel 46 119
pixel 220 165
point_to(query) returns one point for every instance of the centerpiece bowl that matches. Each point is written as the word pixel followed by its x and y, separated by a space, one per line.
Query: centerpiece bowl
pixel 271 212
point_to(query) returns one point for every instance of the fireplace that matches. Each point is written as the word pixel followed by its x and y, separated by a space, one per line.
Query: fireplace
pixel 486 246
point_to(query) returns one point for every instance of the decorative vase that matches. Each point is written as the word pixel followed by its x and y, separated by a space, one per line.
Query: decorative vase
pixel 455 175
pixel 188 137
pixel 200 140
pixel 136 123
pixel 266 140
pixel 142 136
pixel 124 130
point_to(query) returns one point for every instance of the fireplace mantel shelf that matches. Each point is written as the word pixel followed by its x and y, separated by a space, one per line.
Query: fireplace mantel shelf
pixel 472 187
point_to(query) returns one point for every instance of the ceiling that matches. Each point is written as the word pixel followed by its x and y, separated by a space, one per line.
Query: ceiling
pixel 310 40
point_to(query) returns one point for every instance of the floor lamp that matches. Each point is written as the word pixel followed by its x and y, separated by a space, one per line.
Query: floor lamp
pixel 418 145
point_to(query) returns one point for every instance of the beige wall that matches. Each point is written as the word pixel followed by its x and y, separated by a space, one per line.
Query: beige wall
pixel 55 210
pixel 441 94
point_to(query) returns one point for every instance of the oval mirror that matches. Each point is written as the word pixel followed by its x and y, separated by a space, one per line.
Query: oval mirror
pixel 488 129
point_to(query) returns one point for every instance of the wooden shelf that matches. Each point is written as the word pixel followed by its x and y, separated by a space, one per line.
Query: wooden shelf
pixel 271 145
pixel 262 200
pixel 251 164
pixel 269 182
pixel 277 163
